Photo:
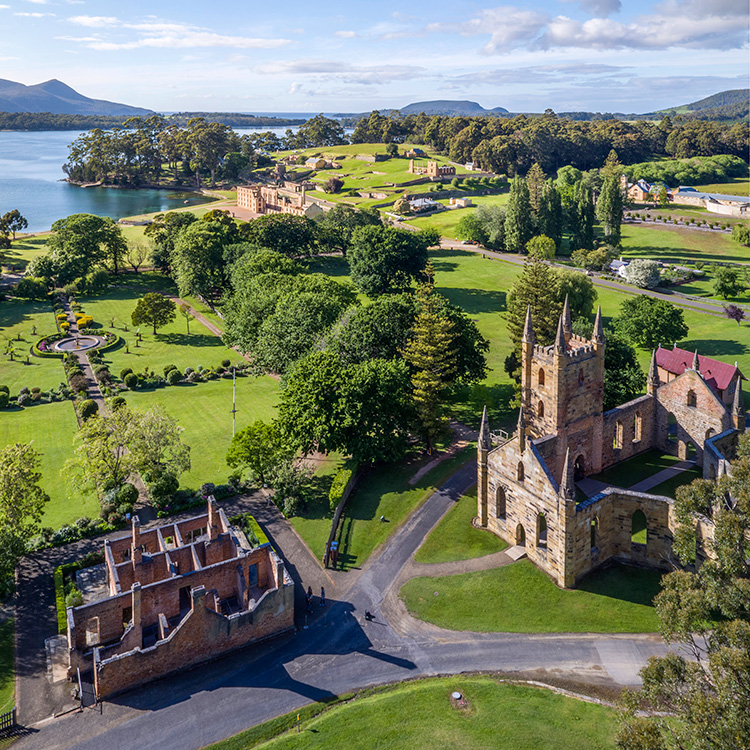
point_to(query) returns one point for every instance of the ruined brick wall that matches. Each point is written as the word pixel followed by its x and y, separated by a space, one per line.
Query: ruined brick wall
pixel 203 634
pixel 699 414
pixel 628 430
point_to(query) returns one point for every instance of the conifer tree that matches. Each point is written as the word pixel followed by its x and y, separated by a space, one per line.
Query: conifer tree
pixel 432 356
pixel 610 202
pixel 582 218
pixel 535 287
pixel 549 213
pixel 518 217
pixel 535 182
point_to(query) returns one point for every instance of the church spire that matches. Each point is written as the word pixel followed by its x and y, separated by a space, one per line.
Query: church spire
pixel 567 324
pixel 696 364
pixel 567 482
pixel 528 328
pixel 598 335
pixel 485 439
pixel 737 407
pixel 560 346
pixel 653 375
pixel 521 432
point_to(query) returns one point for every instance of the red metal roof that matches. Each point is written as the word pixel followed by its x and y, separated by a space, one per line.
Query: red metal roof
pixel 717 374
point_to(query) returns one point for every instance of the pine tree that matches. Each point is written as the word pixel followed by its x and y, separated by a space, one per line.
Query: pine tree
pixel 518 217
pixel 535 182
pixel 432 356
pixel 610 202
pixel 582 216
pixel 550 215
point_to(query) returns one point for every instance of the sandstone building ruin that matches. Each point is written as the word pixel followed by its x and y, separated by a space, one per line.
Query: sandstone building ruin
pixel 270 200
pixel 177 595
pixel 431 169
pixel 526 488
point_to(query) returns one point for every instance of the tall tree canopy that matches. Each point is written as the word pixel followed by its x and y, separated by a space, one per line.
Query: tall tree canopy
pixel 648 322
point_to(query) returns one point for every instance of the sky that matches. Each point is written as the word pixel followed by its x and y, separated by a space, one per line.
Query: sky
pixel 323 56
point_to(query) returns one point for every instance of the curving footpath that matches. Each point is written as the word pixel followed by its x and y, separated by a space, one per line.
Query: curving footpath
pixel 339 652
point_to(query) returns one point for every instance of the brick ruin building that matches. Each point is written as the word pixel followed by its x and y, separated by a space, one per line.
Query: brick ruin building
pixel 270 200
pixel 431 169
pixel 174 596
pixel 526 488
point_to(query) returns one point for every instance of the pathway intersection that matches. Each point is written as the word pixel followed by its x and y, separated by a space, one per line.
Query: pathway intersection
pixel 337 652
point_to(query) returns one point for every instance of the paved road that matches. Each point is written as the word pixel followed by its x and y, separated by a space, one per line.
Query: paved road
pixel 337 653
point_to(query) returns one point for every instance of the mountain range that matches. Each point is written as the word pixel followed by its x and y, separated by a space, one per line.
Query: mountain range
pixel 451 107
pixel 58 98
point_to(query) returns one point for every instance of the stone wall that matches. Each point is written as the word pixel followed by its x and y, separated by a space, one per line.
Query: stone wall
pixel 628 430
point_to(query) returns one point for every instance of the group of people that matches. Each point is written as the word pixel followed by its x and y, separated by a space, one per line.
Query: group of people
pixel 309 598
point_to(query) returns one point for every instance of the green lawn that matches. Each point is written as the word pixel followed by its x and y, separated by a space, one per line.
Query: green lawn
pixel 7 686
pixel 455 538
pixel 24 249
pixel 674 244
pixel 420 714
pixel 203 410
pixel 204 310
pixel 520 598
pixel 382 491
pixel 704 287
pixel 733 186
pixel 170 345
pixel 20 317
pixel 669 487
pixel 691 212
pixel 51 429
pixel 635 469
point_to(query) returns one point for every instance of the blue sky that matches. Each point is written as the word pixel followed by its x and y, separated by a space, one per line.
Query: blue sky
pixel 600 55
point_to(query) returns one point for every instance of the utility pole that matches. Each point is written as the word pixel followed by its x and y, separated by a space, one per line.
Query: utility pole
pixel 234 399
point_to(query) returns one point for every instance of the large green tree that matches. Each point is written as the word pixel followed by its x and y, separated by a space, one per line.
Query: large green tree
pixel 22 502
pixel 335 228
pixel 198 258
pixel 294 236
pixel 386 260
pixel 701 692
pixel 610 202
pixel 155 310
pixel 259 448
pixel 156 444
pixel 648 322
pixel 581 217
pixel 163 232
pixel 12 221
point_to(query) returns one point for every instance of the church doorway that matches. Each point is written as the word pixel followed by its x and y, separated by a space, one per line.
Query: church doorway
pixel 520 536
pixel 579 468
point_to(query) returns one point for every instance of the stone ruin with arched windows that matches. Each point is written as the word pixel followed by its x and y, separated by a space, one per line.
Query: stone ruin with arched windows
pixel 527 491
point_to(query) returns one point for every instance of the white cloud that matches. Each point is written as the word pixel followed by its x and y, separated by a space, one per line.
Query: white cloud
pixel 295 88
pixel 362 75
pixel 94 21
pixel 33 15
pixel 37 2
pixel 345 34
pixel 4 7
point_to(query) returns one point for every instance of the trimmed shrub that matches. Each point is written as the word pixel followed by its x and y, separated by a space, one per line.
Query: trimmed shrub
pixel 30 287
pixel 87 408
pixel 127 494
pixel 5 389
pixel 339 485
pixel 131 381
pixel 77 382
pixel 124 372
pixel 168 369
pixel 74 598
pixel 226 363
pixel 174 377
pixel 4 400
pixel 117 402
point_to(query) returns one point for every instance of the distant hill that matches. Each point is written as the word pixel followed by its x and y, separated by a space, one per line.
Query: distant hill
pixel 733 104
pixel 451 107
pixel 58 98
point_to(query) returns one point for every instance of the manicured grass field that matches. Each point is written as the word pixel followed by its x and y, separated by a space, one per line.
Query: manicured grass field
pixel 203 410
pixel 733 186
pixel 635 469
pixel 24 249
pixel 520 598
pixel 7 686
pixel 51 429
pixel 704 287
pixel 420 714
pixel 203 310
pixel 454 538
pixel 21 317
pixel 674 244
pixel 170 346
pixel 447 221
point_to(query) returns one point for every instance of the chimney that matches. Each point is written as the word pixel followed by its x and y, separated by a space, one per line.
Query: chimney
pixel 213 519
pixel 136 549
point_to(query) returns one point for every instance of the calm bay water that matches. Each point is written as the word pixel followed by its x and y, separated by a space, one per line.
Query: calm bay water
pixel 31 180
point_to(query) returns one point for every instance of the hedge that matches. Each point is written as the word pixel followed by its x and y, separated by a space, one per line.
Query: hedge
pixel 251 527
pixel 340 483
pixel 59 576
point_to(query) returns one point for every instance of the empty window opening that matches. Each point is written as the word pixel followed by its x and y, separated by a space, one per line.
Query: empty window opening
pixel 690 451
pixel 617 439
pixel 691 400
pixel 127 616
pixel 520 535
pixel 639 528
pixel 500 502
pixel 594 532
pixel 520 472
pixel 184 598
pixel 671 428
pixel 580 377
pixel 92 631
pixel 541 531
pixel 637 427
pixel 541 376
pixel 540 410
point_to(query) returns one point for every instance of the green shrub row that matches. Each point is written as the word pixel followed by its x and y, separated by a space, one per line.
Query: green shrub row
pixel 339 485
pixel 255 535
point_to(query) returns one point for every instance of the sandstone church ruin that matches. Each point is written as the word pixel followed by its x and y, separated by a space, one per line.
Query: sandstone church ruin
pixel 174 596
pixel 526 487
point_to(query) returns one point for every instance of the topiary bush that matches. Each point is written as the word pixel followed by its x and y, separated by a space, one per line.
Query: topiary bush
pixel 117 402
pixel 174 377
pixel 87 408
pixel 126 495
pixel 125 372
pixel 168 369
pixel 4 400
pixel 131 381
pixel 226 363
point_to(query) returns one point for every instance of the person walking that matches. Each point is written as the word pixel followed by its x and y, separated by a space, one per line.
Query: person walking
pixel 322 597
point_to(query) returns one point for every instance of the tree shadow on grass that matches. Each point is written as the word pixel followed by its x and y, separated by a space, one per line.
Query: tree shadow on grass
pixel 624 582
pixel 14 312
pixel 715 347
pixel 474 301
pixel 194 339
pixel 470 401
